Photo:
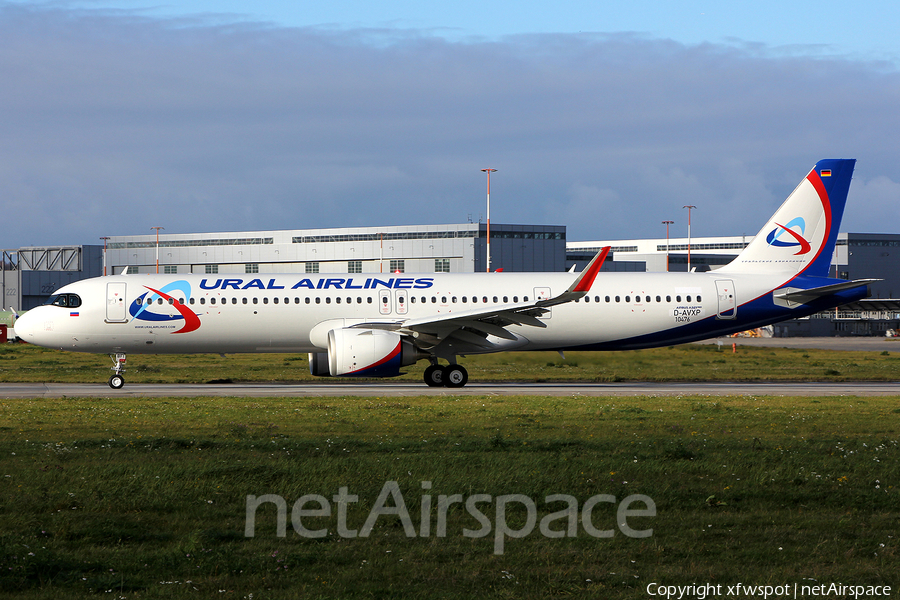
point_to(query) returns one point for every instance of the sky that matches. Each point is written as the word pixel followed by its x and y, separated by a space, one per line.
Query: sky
pixel 216 115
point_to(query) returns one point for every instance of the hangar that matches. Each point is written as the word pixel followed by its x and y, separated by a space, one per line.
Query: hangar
pixel 30 275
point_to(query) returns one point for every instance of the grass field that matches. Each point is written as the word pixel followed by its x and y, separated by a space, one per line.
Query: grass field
pixel 148 498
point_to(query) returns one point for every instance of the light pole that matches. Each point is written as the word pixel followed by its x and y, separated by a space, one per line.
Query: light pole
pixel 489 171
pixel 104 238
pixel 157 247
pixel 667 223
pixel 689 207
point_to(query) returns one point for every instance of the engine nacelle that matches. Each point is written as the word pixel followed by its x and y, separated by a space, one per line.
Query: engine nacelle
pixel 368 353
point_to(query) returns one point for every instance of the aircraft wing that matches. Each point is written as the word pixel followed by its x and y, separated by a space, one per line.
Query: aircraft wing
pixel 474 325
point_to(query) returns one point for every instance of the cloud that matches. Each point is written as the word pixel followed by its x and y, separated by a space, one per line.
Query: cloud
pixel 116 123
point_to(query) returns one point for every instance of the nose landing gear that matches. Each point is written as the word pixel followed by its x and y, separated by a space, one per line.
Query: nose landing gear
pixel 116 381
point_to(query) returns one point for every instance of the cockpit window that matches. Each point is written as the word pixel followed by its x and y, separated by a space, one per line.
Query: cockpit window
pixel 64 300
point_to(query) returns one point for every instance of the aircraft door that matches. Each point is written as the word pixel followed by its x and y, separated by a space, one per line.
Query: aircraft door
pixel 384 302
pixel 401 302
pixel 115 303
pixel 727 302
pixel 543 293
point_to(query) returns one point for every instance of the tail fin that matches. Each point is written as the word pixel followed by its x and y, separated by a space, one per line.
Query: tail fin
pixel 800 236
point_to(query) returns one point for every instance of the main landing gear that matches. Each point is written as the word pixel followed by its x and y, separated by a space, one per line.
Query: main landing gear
pixel 116 381
pixel 452 376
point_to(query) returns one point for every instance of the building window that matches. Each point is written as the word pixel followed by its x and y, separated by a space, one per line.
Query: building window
pixel 442 265
pixel 312 267
pixel 251 268
pixel 212 268
pixel 398 265
pixel 354 266
pixel 170 269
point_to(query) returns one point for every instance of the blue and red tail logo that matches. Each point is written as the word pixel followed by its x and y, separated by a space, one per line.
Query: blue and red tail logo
pixel 141 311
pixel 795 240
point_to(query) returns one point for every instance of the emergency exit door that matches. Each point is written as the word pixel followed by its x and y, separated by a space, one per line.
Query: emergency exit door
pixel 116 310
pixel 726 299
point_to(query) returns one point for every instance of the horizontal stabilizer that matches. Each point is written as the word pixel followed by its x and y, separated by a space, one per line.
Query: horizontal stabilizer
pixel 792 295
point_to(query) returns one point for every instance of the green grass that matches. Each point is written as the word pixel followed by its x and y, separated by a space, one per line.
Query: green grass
pixel 146 498
pixel 691 362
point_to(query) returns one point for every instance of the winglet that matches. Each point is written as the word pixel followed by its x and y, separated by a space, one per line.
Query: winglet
pixel 586 279
pixel 582 285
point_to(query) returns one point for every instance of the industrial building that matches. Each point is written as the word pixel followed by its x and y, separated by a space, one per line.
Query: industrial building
pixel 30 275
pixel 856 256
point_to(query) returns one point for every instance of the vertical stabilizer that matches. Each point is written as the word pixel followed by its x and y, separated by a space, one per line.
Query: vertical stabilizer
pixel 800 236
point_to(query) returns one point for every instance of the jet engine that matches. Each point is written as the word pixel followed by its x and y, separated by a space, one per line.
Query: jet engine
pixel 364 353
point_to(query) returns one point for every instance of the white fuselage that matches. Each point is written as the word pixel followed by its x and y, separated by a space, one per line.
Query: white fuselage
pixel 294 312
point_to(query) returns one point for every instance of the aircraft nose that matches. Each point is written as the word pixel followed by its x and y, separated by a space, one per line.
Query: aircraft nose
pixel 24 327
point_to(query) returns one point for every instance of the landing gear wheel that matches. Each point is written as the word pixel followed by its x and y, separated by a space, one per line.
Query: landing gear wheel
pixel 116 382
pixel 455 376
pixel 434 376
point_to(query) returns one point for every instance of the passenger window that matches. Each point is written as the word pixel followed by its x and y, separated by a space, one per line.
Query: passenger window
pixel 627 298
pixel 369 299
pixel 319 300
pixel 275 299
pixel 328 300
pixel 453 299
pixel 688 298
pixel 495 299
pixel 465 299
pixel 668 298
pixel 587 298
pixel 337 300
pixel 307 300
pixel 358 300
pixel 617 299
pixel 525 299
pixel 607 298
pixel 443 299
pixel 677 298
pixel 159 302
pixel 256 301
pixel 515 298
pixel 202 300
pixel 698 298
pixel 505 299
pixel 658 299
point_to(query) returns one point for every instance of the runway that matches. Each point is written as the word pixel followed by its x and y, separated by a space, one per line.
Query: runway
pixel 394 390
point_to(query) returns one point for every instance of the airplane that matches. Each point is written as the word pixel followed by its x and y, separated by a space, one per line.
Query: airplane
pixel 373 325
